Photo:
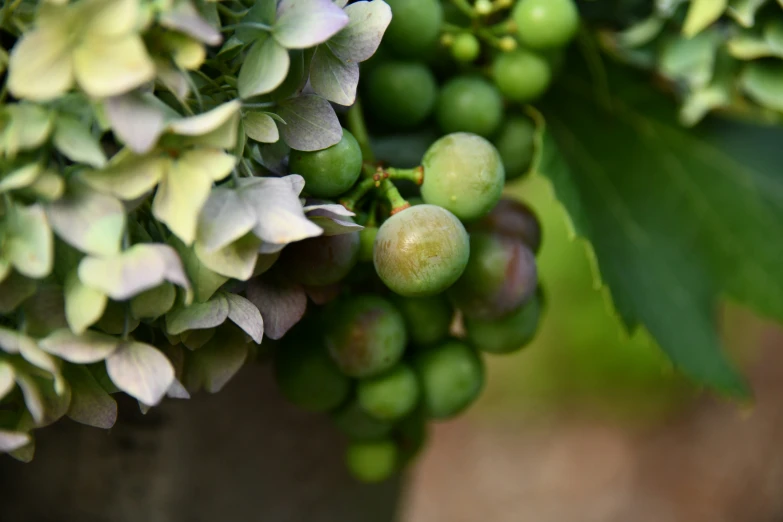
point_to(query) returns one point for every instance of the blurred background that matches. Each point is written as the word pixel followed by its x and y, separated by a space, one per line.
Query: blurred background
pixel 589 424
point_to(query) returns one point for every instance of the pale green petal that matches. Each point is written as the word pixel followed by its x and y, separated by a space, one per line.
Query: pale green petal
pixel 110 67
pixel 127 179
pixel 83 305
pixel 215 164
pixel 40 66
pixel 206 122
pixel 112 17
pixel 181 194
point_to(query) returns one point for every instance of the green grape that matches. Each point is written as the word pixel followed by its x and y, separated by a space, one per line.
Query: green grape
pixel 401 95
pixel 373 461
pixel 543 24
pixel 421 251
pixel 305 373
pixel 365 335
pixel 464 174
pixel 428 318
pixel 322 260
pixel 500 277
pixel 357 424
pixel 465 47
pixel 451 377
pixel 521 75
pixel 391 395
pixel 411 434
pixel 513 219
pixel 414 28
pixel 469 104
pixel 516 145
pixel 509 334
pixel 366 242
pixel 330 172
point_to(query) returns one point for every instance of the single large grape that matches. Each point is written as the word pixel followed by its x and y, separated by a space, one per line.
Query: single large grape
pixel 421 251
pixel 428 318
pixel 414 28
pixel 464 174
pixel 451 377
pixel 357 424
pixel 306 375
pixel 513 219
pixel 373 461
pixel 391 395
pixel 400 95
pixel 509 334
pixel 500 277
pixel 465 47
pixel 544 24
pixel 469 104
pixel 515 142
pixel 365 335
pixel 322 260
pixel 329 172
pixel 521 75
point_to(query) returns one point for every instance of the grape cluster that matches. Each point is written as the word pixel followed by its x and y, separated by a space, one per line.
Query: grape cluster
pixel 411 302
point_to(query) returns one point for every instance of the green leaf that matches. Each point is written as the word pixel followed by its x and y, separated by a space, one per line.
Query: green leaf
pixel 333 78
pixel 116 320
pixel 48 186
pixel 128 177
pixel 133 271
pixel 245 315
pixel 359 40
pixel 21 177
pixel 310 123
pixel 198 315
pixel 186 187
pixel 136 119
pixel 14 290
pixel 701 14
pixel 75 142
pixel 154 302
pixel 282 304
pixel 141 371
pixel 264 68
pixel 109 67
pixel 44 312
pixel 744 11
pixel 44 405
pixel 28 127
pixel 261 12
pixel 29 244
pixel 763 82
pixel 89 347
pixel 219 360
pixel 184 17
pixel 235 260
pixel 195 339
pixel 260 126
pixel 690 59
pixel 305 23
pixel 90 404
pixel 225 218
pixel 7 379
pixel 83 305
pixel 205 281
pixel 89 221
pixel 675 218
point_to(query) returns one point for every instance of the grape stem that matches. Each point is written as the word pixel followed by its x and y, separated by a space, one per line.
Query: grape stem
pixel 465 7
pixel 391 193
pixel 358 128
pixel 415 175
pixel 357 193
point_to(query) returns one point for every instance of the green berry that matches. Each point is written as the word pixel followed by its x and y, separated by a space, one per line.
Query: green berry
pixel 400 95
pixel 469 104
pixel 543 24
pixel 421 251
pixel 366 241
pixel 513 219
pixel 372 461
pixel 509 334
pixel 464 174
pixel 428 318
pixel 307 376
pixel 357 424
pixel 414 28
pixel 521 76
pixel 329 172
pixel 365 336
pixel 465 47
pixel 516 144
pixel 389 396
pixel 451 377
